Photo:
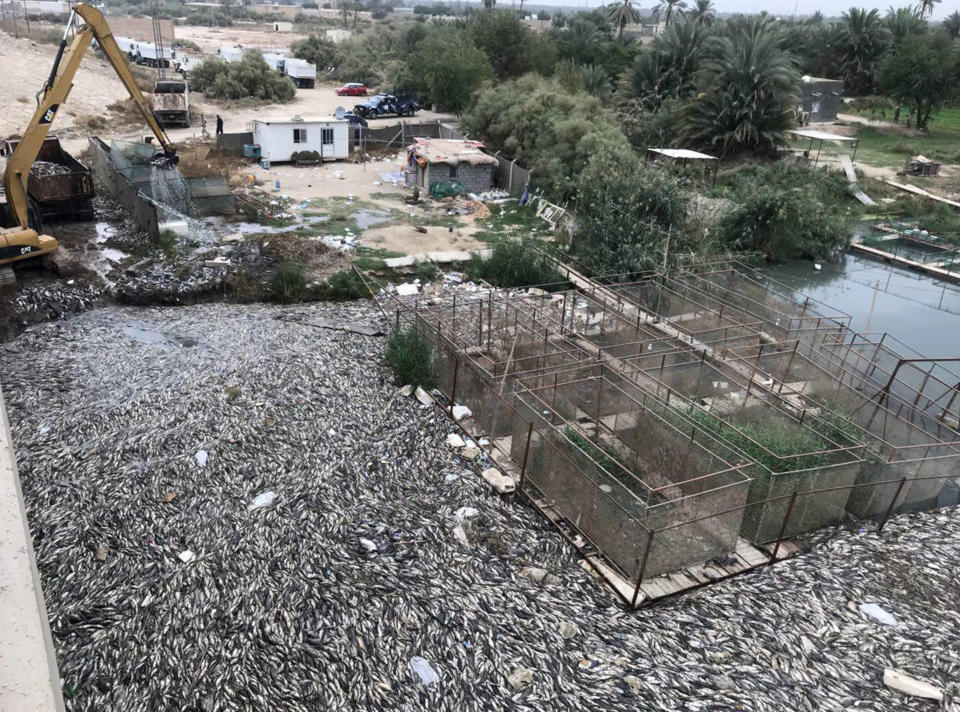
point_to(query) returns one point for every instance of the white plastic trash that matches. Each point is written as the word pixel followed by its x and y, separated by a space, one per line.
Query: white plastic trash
pixel 876 613
pixel 465 513
pixel 186 556
pixel 201 457
pixel 264 499
pixel 422 667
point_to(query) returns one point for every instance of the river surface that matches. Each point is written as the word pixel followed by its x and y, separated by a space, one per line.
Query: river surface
pixel 919 311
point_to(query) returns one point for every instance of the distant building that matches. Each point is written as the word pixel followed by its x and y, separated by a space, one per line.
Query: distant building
pixel 820 99
pixel 433 159
pixel 283 27
pixel 279 139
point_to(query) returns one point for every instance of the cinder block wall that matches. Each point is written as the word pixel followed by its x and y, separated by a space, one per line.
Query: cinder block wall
pixel 476 179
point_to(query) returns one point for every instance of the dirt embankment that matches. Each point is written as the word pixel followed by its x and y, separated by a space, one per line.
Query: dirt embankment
pixel 26 65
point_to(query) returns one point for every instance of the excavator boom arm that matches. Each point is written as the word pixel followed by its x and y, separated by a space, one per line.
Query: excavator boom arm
pixel 54 94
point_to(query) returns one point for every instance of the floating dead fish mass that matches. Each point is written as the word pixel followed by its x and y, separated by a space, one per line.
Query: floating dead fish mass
pixel 322 597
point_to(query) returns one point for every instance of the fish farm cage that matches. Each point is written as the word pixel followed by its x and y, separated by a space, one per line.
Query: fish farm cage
pixel 664 421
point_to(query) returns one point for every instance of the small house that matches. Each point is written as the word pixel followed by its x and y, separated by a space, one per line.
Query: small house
pixel 820 99
pixel 432 160
pixel 280 139
pixel 283 27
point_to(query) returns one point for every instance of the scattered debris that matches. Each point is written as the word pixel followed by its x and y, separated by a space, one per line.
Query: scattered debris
pixel 186 556
pixel 265 499
pixel 500 482
pixel 875 612
pixel 539 576
pixel 520 678
pixel 470 453
pixel 896 680
pixel 169 497
pixel 101 552
pixel 460 412
pixel 454 440
pixel 201 457
pixel 422 396
pixel 569 630
pixel 424 670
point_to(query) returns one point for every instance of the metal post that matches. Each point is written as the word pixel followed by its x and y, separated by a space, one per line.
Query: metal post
pixel 553 401
pixel 453 390
pixel 643 567
pixel 892 503
pixel 526 451
pixel 783 527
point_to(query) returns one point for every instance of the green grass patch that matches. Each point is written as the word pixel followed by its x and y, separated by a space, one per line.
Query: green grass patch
pixel 892 147
pixel 288 282
pixel 409 355
pixel 515 264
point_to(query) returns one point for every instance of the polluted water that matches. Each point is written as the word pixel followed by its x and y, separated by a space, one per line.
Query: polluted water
pixel 384 555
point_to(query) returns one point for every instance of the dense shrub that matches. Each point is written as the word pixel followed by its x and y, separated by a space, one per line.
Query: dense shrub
pixel 251 77
pixel 289 282
pixel 344 284
pixel 409 356
pixel 514 264
pixel 787 211
pixel 546 127
pixel 624 213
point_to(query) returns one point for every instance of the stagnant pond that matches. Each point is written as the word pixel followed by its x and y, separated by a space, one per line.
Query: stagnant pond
pixel 919 311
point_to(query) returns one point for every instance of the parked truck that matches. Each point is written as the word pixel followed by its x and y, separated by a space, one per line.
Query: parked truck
pixel 171 102
pixel 303 74
pixel 59 185
pixel 153 56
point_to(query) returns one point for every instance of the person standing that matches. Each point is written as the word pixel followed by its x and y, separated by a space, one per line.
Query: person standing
pixel 219 125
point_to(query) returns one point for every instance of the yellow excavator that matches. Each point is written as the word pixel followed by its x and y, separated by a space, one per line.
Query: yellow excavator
pixel 24 239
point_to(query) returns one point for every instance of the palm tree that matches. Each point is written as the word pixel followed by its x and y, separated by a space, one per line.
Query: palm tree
pixel 952 25
pixel 926 7
pixel 622 14
pixel 668 68
pixel 703 12
pixel 904 21
pixel 747 91
pixel 595 79
pixel 864 40
pixel 667 8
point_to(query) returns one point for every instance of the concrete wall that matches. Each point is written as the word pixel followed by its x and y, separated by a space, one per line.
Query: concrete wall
pixel 233 143
pixel 29 680
pixel 124 192
pixel 476 179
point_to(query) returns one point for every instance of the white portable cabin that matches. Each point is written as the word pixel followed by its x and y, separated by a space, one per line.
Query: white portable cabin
pixel 300 71
pixel 279 139
pixel 230 54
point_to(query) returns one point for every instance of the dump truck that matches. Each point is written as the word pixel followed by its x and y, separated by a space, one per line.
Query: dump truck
pixel 59 184
pixel 171 102
pixel 303 74
pixel 153 55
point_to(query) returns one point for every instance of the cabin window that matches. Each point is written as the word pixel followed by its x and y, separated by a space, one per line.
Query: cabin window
pixel 299 135
pixel 326 136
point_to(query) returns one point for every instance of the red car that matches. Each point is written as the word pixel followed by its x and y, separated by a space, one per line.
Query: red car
pixel 352 89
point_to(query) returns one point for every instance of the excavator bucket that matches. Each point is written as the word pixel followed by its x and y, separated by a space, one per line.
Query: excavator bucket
pixel 163 159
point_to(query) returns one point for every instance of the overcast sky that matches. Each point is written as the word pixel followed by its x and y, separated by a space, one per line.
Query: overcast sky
pixel 782 7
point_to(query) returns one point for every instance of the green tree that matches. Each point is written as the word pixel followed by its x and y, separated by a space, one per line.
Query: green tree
pixel 667 9
pixel 625 212
pixel 668 67
pixel 864 40
pixel 923 74
pixel 504 39
pixel 952 25
pixel 703 12
pixel 317 50
pixel 622 14
pixel 251 77
pixel 902 22
pixel 548 128
pixel 926 7
pixel 747 91
pixel 449 67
